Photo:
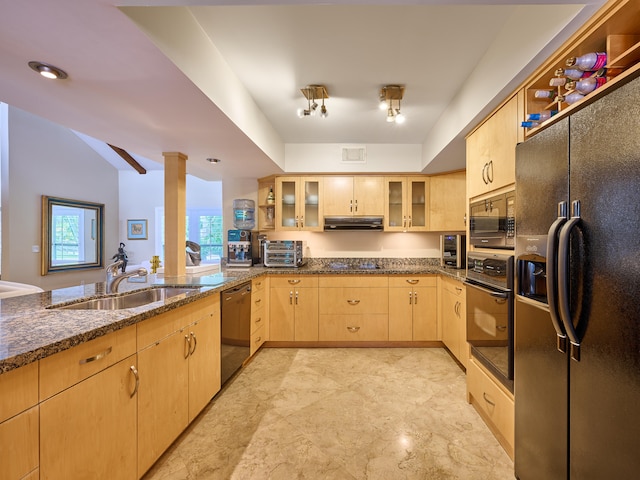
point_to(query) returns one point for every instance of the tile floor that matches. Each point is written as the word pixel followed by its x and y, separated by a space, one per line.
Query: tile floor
pixel 359 413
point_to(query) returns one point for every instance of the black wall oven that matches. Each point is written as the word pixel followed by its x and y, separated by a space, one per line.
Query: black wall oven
pixel 492 222
pixel 490 313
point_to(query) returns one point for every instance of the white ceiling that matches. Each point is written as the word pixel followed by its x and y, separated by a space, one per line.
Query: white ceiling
pixel 222 78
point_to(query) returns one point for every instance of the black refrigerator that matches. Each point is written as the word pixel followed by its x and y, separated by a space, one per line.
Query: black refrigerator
pixel 577 309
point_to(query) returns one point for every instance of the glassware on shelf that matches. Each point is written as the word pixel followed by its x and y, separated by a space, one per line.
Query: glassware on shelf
pixel 271 198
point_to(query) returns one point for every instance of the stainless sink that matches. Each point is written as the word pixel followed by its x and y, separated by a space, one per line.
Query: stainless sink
pixel 130 300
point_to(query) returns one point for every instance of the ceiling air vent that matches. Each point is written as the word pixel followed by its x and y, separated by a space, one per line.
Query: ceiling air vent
pixel 354 155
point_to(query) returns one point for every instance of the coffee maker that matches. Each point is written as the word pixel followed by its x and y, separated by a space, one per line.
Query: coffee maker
pixel 239 248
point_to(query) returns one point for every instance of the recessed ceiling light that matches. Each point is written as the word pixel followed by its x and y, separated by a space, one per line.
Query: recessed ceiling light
pixel 48 71
pixel 213 160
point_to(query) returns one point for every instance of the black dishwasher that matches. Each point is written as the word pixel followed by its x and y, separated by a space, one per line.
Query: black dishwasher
pixel 235 327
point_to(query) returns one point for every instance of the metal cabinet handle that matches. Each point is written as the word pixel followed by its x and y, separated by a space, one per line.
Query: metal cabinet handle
pixel 297 222
pixel 404 222
pixel 258 320
pixel 410 222
pixel 459 289
pixel 195 344
pixel 486 399
pixel 301 221
pixel 415 298
pixel 484 173
pixel 296 297
pixel 96 357
pixel 351 206
pixel 501 328
pixel 410 297
pixel 490 168
pixel 291 297
pixel 356 206
pixel 412 281
pixel 258 340
pixel 134 370
pixel 187 344
pixel 353 302
pixel 293 281
pixel 257 302
pixel 353 329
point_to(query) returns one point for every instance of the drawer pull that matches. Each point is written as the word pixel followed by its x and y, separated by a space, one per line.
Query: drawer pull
pixel 258 340
pixel 353 329
pixel 134 370
pixel 187 346
pixel 486 399
pixel 459 289
pixel 294 281
pixel 353 302
pixel 412 281
pixel 258 320
pixel 99 356
pixel 501 328
pixel 257 302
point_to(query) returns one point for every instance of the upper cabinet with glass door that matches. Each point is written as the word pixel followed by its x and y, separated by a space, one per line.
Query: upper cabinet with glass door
pixel 298 203
pixel 406 204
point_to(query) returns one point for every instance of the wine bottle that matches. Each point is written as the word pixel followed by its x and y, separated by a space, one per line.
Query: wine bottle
pixel 541 116
pixel 589 61
pixel 557 81
pixel 529 124
pixel 572 73
pixel 548 94
pixel 589 84
pixel 573 97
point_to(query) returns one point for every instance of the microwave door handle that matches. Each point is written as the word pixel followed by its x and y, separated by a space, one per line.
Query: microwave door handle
pixel 552 273
pixel 563 280
pixel 492 293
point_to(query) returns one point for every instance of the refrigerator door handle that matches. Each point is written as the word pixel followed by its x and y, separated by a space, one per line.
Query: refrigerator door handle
pixel 552 260
pixel 563 279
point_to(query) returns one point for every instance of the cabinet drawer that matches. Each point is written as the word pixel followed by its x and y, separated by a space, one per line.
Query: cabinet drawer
pixel 354 301
pixel 453 286
pixel 69 367
pixel 493 403
pixel 293 281
pixel 413 281
pixel 358 281
pixel 257 339
pixel 354 327
pixel 163 325
pixel 19 438
pixel 258 284
pixel 258 319
pixel 258 299
pixel 18 390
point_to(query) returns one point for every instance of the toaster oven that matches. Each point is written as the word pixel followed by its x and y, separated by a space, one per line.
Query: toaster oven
pixel 283 253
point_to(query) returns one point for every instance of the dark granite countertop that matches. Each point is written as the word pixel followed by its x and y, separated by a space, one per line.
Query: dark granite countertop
pixel 29 330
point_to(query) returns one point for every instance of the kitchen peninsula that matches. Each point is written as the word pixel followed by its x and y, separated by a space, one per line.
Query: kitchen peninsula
pixel 99 372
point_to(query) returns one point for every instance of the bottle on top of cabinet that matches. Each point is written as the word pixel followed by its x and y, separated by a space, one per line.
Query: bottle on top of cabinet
pixel 572 73
pixel 589 84
pixel 588 62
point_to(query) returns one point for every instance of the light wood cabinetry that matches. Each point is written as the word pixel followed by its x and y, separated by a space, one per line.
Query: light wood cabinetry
pixel 413 308
pixel 354 308
pixel 179 365
pixel 495 405
pixel 448 202
pixel 299 203
pixel 353 195
pixel 453 318
pixel 406 204
pixel 491 149
pixel 259 312
pixel 19 418
pixel 88 409
pixel 293 308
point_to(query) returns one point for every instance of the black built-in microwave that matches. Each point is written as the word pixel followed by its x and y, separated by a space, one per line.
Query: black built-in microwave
pixel 492 222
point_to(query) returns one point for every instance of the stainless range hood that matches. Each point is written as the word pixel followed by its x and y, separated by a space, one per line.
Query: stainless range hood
pixel 334 224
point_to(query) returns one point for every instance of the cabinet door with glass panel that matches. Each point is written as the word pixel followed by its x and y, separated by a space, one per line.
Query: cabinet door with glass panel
pixel 406 204
pixel 298 205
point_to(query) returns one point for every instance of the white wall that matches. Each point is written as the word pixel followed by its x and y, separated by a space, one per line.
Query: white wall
pixel 327 157
pixel 140 195
pixel 43 158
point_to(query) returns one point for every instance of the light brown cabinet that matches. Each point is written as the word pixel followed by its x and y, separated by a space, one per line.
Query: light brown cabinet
pixel 448 202
pixel 453 318
pixel 259 312
pixel 299 203
pixel 413 308
pixel 353 195
pixel 19 420
pixel 179 365
pixel 293 308
pixel 88 409
pixel 354 308
pixel 491 155
pixel 407 201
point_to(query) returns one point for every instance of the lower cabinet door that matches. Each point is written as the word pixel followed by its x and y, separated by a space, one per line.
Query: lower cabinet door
pixel 204 362
pixel 19 445
pixel 89 430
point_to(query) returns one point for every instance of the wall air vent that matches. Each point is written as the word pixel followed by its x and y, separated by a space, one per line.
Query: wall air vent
pixel 354 155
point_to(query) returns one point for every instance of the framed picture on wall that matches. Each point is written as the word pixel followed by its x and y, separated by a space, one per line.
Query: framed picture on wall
pixel 137 229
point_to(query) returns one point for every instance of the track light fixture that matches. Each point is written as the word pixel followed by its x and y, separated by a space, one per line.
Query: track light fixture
pixel 390 98
pixel 313 93
pixel 48 71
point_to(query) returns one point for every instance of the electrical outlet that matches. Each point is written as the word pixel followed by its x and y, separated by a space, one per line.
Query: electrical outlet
pixel 35 248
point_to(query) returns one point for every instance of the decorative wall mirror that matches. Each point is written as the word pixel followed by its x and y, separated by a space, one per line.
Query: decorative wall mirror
pixel 72 235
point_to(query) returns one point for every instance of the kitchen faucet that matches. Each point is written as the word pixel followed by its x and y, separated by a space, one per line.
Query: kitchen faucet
pixel 113 279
